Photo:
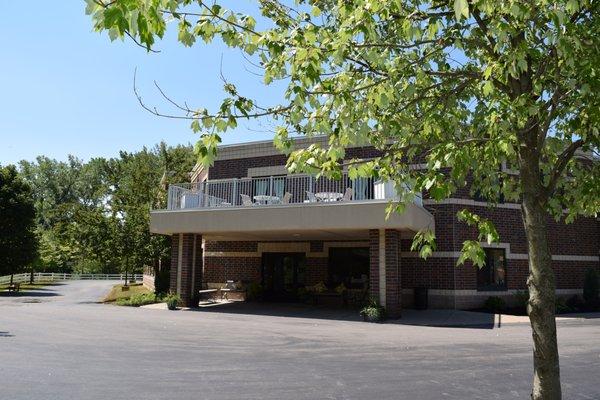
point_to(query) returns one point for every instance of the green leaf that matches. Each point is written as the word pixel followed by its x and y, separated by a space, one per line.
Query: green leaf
pixel 488 87
pixel 461 8
pixel 472 251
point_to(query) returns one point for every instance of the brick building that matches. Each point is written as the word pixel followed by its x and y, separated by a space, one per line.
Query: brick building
pixel 246 219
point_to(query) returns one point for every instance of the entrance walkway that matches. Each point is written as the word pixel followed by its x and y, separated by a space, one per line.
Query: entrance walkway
pixel 430 318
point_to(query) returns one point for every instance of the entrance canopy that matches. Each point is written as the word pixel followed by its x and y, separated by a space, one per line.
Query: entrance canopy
pixel 308 221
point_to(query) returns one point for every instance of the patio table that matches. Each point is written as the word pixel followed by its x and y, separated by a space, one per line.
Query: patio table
pixel 265 199
pixel 329 196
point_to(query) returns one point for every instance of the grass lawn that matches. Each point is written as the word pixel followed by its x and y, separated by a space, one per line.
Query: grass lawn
pixel 117 292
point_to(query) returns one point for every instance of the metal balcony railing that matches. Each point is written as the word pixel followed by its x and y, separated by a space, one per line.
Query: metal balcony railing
pixel 277 190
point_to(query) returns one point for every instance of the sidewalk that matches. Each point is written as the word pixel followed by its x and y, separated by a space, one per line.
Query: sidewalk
pixel 460 318
pixel 433 318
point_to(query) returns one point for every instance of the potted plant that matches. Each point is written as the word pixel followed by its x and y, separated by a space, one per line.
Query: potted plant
pixel 172 301
pixel 373 312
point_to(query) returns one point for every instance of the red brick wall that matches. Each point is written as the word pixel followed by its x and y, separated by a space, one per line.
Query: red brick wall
pixel 238 168
pixel 237 246
pixel 393 281
pixel 221 269
pixel 316 270
pixel 433 273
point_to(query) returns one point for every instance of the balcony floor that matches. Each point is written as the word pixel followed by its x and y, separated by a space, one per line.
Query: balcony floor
pixel 315 220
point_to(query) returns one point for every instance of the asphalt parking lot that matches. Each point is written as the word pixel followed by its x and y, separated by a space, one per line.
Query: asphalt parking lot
pixel 59 344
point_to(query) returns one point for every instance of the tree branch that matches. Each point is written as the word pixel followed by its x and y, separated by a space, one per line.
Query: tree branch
pixel 561 164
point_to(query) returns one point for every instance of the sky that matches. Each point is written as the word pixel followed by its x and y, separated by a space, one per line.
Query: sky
pixel 65 89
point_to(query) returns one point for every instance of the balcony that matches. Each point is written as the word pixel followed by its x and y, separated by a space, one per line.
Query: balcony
pixel 292 207
pixel 278 191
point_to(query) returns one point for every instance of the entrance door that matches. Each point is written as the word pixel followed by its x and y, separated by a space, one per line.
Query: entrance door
pixel 282 275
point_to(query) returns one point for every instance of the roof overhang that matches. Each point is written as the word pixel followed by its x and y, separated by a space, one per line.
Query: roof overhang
pixel 349 220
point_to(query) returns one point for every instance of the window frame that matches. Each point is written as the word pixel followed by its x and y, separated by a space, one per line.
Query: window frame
pixel 490 286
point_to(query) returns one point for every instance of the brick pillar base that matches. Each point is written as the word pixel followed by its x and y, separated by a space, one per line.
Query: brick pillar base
pixel 384 272
pixel 186 267
pixel 174 263
pixel 393 286
pixel 374 264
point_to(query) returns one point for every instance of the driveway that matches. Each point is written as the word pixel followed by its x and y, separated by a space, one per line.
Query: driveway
pixel 64 346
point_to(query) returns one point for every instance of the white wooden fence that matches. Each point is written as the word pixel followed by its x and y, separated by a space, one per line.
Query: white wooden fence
pixel 55 276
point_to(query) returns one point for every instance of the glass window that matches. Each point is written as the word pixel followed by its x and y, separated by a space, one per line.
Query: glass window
pixel 363 188
pixel 262 185
pixel 492 276
pixel 350 266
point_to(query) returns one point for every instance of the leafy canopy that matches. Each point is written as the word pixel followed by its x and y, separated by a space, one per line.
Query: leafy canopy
pixel 94 216
pixel 18 243
pixel 470 92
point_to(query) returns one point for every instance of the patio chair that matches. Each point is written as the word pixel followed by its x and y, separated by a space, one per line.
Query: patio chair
pixel 311 197
pixel 214 201
pixel 286 198
pixel 348 194
pixel 246 200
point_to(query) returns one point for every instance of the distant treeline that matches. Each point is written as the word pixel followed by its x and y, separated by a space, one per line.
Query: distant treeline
pixel 93 217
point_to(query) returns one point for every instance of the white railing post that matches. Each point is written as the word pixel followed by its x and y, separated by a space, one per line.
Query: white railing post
pixel 169 196
pixel 233 192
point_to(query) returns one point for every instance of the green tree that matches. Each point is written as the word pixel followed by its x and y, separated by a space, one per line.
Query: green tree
pixel 18 242
pixel 500 97
pixel 79 203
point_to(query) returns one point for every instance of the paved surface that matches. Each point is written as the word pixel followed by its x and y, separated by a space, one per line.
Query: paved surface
pixel 67 347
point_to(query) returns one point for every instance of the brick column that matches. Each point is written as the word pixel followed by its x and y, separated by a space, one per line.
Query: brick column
pixel 197 271
pixel 374 263
pixel 174 263
pixel 393 284
pixel 186 267
pixel 384 277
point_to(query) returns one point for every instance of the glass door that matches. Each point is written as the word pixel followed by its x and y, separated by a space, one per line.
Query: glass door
pixel 282 275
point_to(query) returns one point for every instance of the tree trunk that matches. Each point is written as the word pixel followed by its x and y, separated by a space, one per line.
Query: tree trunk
pixel 541 306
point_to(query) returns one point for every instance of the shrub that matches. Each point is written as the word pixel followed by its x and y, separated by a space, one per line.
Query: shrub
pixel 575 303
pixel 560 305
pixel 341 288
pixel 591 287
pixel 303 294
pixel 138 299
pixel 172 301
pixel 254 291
pixel 317 288
pixel 495 304
pixel 374 312
pixel 161 281
pixel 522 298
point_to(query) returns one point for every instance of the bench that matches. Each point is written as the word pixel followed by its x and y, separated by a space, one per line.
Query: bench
pixel 207 291
pixel 323 297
